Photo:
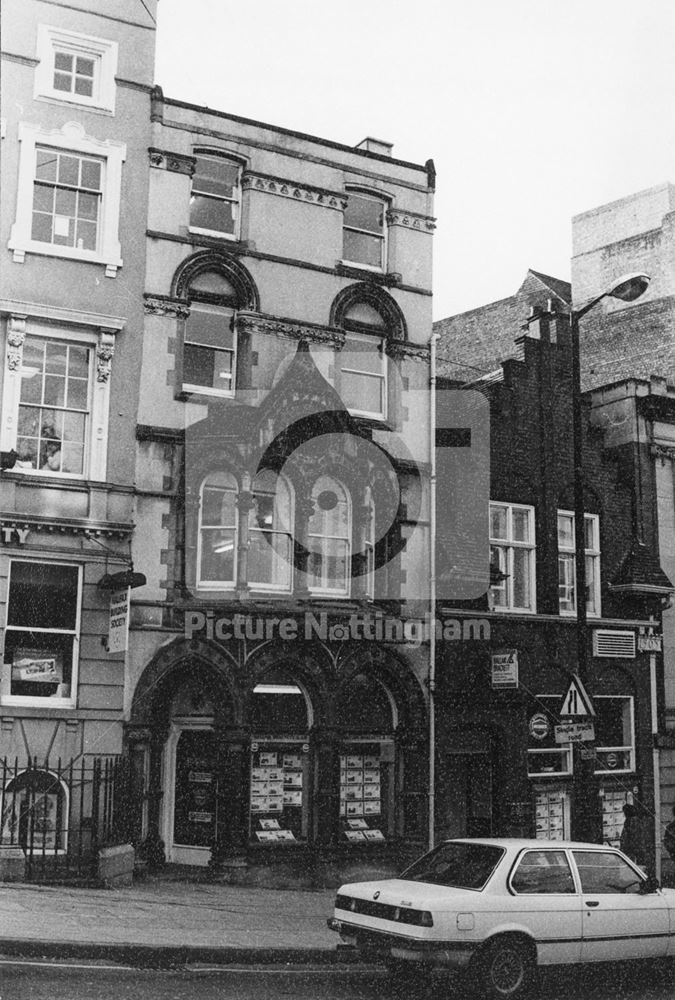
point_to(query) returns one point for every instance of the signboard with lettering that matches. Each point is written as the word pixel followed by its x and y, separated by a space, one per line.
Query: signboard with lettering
pixel 505 668
pixel 575 732
pixel 118 625
pixel 649 643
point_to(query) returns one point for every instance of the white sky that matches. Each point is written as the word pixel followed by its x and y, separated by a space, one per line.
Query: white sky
pixel 533 110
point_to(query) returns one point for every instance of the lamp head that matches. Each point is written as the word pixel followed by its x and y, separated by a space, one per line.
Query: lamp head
pixel 629 286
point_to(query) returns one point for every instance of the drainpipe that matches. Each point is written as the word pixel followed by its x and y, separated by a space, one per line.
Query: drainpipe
pixel 432 590
pixel 656 762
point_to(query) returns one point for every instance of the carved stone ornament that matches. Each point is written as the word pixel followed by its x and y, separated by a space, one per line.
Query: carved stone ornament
pixel 161 305
pixel 16 334
pixel 299 192
pixel 398 350
pixel 176 163
pixel 104 354
pixel 664 452
pixel 257 323
pixel 411 220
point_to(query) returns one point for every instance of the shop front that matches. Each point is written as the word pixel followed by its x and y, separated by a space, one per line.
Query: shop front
pixel 283 755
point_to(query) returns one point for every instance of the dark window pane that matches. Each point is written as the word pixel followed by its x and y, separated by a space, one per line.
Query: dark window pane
pixel 91 175
pixel 43 198
pixel 63 60
pixel 364 213
pixel 69 170
pixel 45 165
pixel 212 214
pixel 363 249
pixel 62 82
pixel 41 230
pixel 42 596
pixel 86 236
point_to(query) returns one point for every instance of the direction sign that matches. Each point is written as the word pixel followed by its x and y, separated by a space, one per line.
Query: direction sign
pixel 577 700
pixel 575 732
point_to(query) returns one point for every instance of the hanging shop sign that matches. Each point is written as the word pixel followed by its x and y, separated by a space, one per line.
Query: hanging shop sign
pixel 649 643
pixel 118 625
pixel 504 668
pixel 575 732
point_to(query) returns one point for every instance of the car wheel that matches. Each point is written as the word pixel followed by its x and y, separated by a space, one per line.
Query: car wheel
pixel 505 969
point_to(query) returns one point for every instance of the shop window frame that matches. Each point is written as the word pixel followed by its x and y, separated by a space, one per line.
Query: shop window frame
pixel 70 701
pixel 629 748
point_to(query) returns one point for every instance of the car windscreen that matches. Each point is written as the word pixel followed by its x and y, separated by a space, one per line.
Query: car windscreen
pixel 462 865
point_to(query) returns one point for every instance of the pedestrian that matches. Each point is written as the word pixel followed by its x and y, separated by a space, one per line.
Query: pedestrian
pixel 632 840
pixel 669 837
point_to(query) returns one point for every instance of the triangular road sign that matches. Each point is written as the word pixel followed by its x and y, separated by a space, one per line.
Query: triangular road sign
pixel 577 700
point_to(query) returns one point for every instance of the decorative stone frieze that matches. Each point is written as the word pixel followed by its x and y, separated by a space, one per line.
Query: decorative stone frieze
pixel 176 163
pixel 664 452
pixel 260 323
pixel 290 189
pixel 399 350
pixel 163 305
pixel 411 220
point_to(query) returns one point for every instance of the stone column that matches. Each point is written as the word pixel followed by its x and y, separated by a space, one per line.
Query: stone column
pixel 324 744
pixel 245 503
pixel 304 509
pixel 362 516
pixel 233 769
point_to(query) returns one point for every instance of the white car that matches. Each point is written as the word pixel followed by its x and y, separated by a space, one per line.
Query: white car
pixel 502 907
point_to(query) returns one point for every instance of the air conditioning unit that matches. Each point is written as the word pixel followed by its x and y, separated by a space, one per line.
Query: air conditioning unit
pixel 607 642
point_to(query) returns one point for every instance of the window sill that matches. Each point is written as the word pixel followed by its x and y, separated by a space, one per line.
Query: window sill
pixel 214 234
pixel 112 264
pixel 20 701
pixel 60 100
pixel 189 395
pixel 365 273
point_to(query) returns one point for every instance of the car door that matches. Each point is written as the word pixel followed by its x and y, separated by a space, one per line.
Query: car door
pixel 546 901
pixel 619 921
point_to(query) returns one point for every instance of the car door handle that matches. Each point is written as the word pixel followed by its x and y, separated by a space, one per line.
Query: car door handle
pixel 592 902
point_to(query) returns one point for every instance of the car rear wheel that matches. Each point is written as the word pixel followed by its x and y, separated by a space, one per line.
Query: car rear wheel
pixel 505 969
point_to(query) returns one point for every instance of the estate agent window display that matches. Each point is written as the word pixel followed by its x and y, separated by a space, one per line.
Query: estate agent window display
pixel 279 803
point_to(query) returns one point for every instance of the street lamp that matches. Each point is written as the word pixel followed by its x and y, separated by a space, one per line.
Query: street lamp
pixel 627 288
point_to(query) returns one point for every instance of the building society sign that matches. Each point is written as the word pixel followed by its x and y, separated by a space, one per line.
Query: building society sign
pixel 118 625
pixel 505 668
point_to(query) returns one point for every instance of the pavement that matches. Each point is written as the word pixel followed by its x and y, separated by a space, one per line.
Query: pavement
pixel 160 923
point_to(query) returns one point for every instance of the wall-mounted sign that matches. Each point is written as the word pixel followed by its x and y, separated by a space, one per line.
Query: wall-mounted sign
pixel 118 625
pixel 649 643
pixel 504 668
pixel 539 726
pixel 575 732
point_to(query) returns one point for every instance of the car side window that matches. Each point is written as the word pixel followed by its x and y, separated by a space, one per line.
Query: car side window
pixel 543 872
pixel 605 872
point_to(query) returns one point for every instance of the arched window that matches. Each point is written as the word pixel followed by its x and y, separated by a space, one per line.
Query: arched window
pixel 35 812
pixel 217 555
pixel 270 533
pixel 216 195
pixel 329 538
pixel 209 343
pixel 363 362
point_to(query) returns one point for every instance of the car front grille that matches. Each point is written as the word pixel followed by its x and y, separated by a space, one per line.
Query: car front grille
pixel 385 911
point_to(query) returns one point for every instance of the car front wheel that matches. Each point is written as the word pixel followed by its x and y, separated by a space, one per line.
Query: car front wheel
pixel 504 969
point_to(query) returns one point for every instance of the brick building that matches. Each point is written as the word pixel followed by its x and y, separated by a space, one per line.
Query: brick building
pixel 500 769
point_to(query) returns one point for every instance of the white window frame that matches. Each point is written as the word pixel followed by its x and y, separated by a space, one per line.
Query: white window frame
pixel 73 327
pixel 592 554
pixel 273 532
pixel 102 51
pixel 335 591
pixel 381 376
pixel 509 544
pixel 6 698
pixel 215 154
pixel 236 528
pixel 630 747
pixel 70 138
pixel 205 390
pixel 384 248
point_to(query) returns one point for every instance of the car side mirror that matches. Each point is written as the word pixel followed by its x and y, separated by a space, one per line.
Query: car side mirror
pixel 650 884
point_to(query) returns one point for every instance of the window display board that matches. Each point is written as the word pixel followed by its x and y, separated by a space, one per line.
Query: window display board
pixel 551 815
pixel 613 801
pixel 361 797
pixel 277 793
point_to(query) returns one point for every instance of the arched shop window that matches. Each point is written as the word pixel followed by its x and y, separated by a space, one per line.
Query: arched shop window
pixel 329 534
pixel 218 531
pixel 366 716
pixel 35 812
pixel 270 533
pixel 280 721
